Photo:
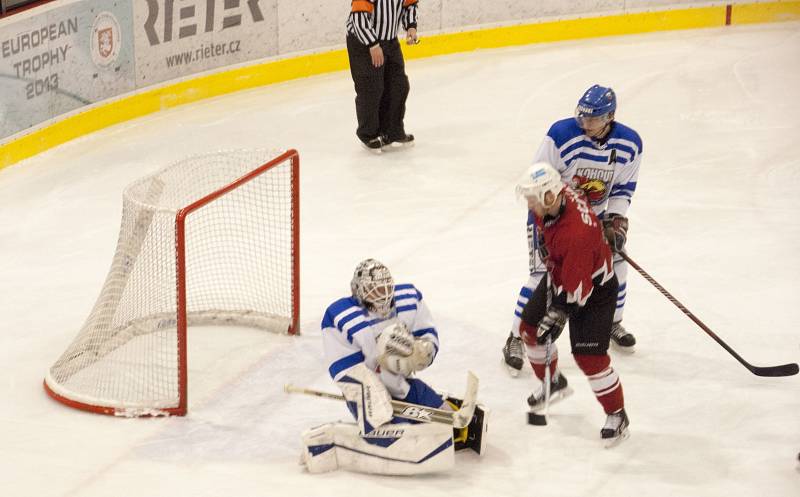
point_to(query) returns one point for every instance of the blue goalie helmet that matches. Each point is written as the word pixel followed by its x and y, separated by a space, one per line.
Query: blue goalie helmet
pixel 596 101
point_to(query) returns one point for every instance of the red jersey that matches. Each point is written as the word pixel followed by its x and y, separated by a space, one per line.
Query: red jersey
pixel 578 256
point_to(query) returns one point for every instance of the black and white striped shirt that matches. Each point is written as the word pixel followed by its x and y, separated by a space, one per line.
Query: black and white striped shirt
pixel 378 20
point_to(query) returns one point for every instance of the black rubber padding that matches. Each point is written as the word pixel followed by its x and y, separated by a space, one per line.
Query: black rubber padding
pixel 536 419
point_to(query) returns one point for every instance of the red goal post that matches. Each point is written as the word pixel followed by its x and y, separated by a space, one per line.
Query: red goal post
pixel 209 240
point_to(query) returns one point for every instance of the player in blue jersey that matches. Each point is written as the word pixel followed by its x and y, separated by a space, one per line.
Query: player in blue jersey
pixel 375 340
pixel 599 156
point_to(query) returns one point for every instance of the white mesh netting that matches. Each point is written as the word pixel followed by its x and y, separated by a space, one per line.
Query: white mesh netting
pixel 240 270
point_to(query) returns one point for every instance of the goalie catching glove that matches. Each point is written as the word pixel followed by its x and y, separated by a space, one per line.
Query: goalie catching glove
pixel 615 228
pixel 401 353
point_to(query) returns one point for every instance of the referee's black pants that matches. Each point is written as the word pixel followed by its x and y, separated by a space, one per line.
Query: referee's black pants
pixel 381 92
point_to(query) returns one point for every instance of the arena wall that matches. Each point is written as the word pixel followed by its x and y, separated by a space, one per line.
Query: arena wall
pixel 72 67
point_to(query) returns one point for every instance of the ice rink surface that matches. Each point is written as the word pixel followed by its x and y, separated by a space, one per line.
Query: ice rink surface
pixel 714 220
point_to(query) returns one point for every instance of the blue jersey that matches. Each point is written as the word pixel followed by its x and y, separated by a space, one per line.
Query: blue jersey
pixel 350 333
pixel 606 171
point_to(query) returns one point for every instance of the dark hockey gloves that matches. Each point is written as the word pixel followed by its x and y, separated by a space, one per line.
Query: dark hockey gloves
pixel 615 228
pixel 551 325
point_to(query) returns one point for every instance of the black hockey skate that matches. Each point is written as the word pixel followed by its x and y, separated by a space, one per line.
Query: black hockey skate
pixel 621 339
pixel 559 389
pixel 615 429
pixel 404 141
pixel 374 145
pixel 474 435
pixel 513 355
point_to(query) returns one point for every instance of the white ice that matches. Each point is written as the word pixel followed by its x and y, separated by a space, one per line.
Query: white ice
pixel 714 220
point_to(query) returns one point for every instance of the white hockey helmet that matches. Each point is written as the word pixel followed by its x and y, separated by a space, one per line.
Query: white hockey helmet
pixel 373 287
pixel 538 180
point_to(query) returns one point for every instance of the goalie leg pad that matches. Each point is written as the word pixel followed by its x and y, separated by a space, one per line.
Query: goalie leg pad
pixel 319 450
pixel 394 449
pixel 366 394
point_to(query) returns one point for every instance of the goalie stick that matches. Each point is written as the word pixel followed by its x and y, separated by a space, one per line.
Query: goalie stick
pixel 781 370
pixel 458 419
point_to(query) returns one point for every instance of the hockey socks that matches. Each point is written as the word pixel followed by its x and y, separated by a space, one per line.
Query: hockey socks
pixel 537 353
pixel 603 380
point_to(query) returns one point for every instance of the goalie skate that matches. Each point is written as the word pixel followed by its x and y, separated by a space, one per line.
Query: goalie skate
pixel 616 429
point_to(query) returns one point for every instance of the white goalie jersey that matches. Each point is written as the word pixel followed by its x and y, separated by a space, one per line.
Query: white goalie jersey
pixel 350 333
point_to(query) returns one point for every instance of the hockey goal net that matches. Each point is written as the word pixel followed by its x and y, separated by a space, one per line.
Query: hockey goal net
pixel 209 240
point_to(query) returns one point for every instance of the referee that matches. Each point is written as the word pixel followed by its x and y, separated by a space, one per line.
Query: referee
pixel 378 69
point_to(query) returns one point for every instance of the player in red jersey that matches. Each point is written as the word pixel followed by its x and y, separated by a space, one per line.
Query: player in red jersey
pixel 580 288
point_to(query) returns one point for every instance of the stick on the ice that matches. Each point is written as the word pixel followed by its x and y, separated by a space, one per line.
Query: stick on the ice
pixel 548 377
pixel 458 419
pixel 534 418
pixel 782 370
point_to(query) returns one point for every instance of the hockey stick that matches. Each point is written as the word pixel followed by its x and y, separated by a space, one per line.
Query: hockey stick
pixel 535 418
pixel 458 419
pixel 782 370
pixel 548 347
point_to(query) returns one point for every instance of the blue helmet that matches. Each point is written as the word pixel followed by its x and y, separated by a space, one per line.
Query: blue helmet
pixel 596 101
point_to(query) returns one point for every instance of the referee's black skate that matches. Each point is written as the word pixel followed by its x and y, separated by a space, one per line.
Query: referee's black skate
pixel 403 141
pixel 622 339
pixel 559 389
pixel 513 355
pixel 374 145
pixel 615 429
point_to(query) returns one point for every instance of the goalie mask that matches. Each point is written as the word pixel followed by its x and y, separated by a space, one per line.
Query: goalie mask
pixel 373 287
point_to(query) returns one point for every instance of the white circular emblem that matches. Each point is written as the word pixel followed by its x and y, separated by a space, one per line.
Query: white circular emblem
pixel 105 39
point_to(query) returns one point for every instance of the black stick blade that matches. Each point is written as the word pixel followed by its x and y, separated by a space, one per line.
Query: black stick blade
pixel 537 419
pixel 790 369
